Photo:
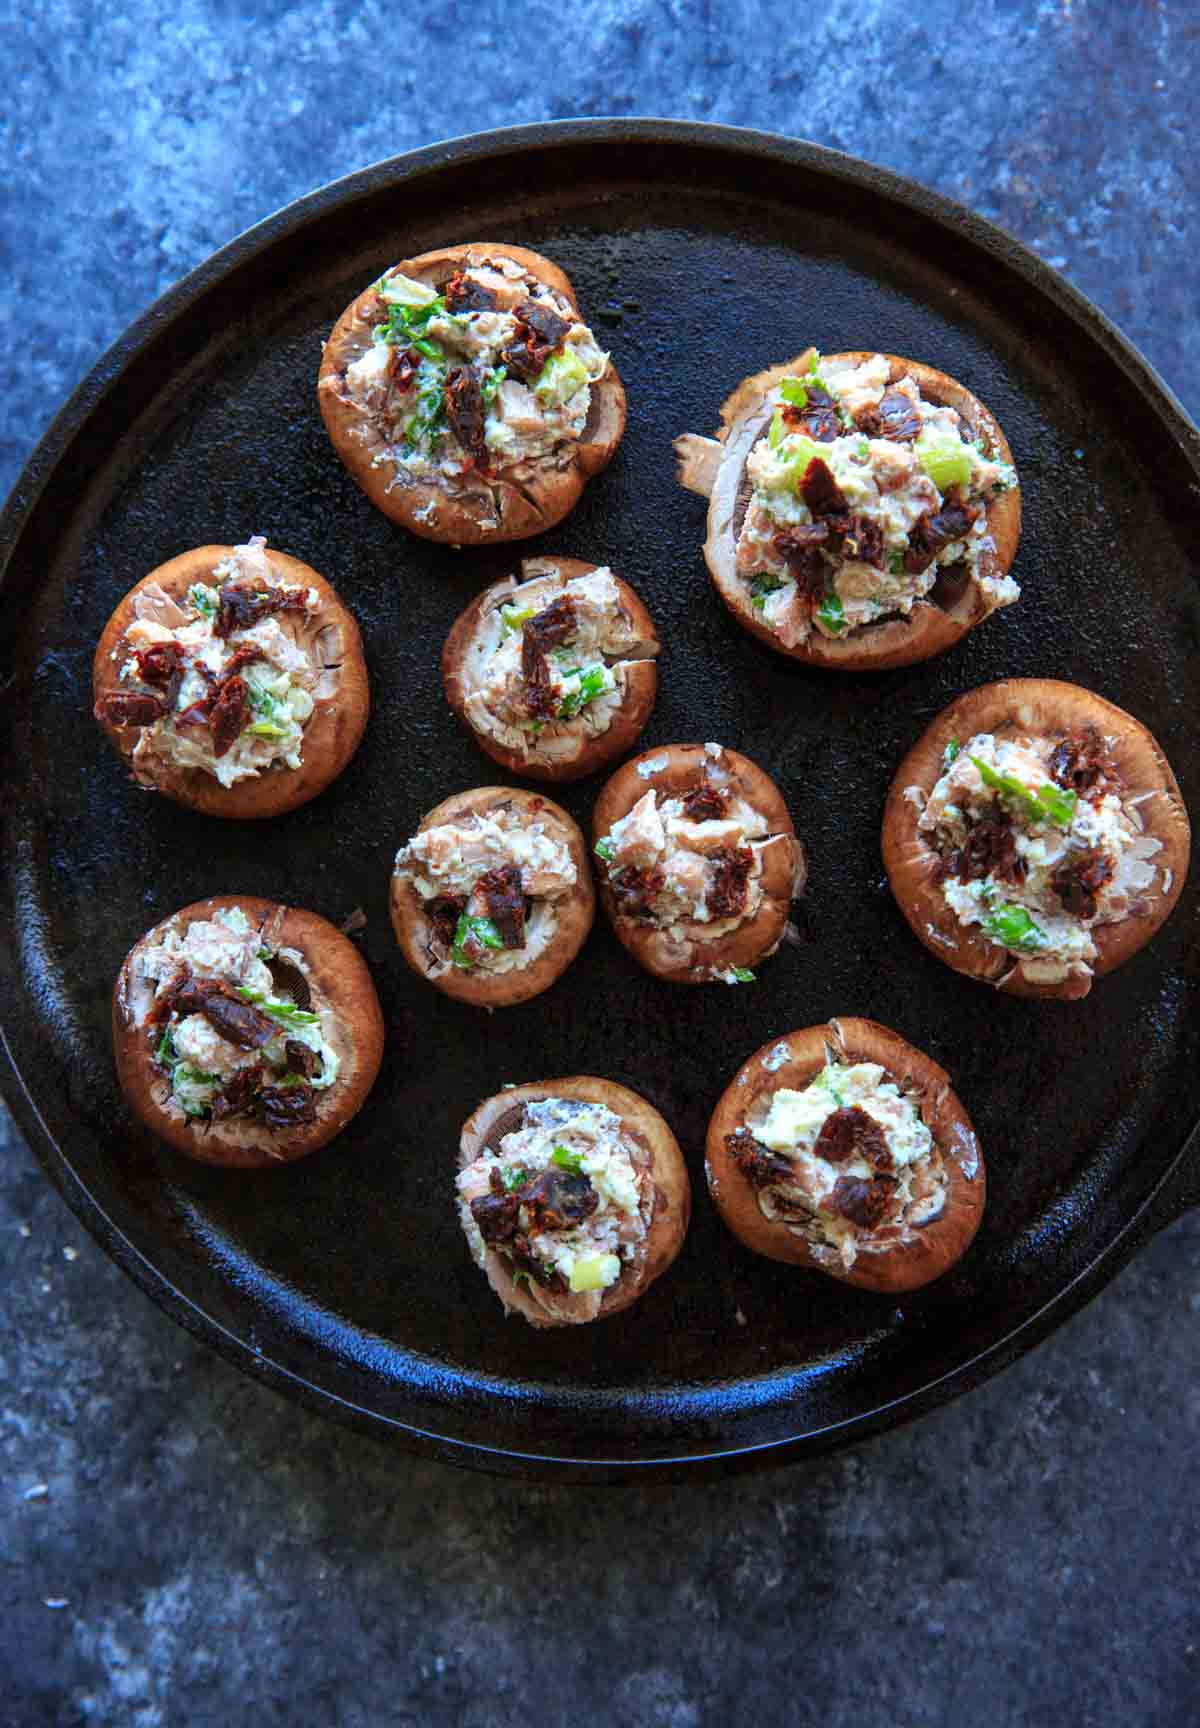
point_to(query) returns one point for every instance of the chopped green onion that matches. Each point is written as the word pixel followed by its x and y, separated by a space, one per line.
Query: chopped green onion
pixel 952 750
pixel 832 613
pixel 1012 927
pixel 400 290
pixel 561 378
pixel 592 684
pixel 482 929
pixel 776 435
pixel 516 1177
pixel 760 588
pixel 896 561
pixel 944 457
pixel 743 974
pixel 1049 801
pixel 799 451
pixel 792 390
pixel 862 449
pixel 265 954
pixel 492 381
pixel 203 599
pixel 287 1012
pixel 430 350
pixel 268 729
pixel 604 848
pixel 164 1053
pixel 1059 804
pixel 567 1160
pixel 511 619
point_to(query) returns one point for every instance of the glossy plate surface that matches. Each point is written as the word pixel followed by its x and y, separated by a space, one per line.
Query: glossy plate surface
pixel 701 255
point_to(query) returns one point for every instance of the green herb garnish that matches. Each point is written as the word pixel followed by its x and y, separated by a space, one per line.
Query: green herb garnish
pixel 743 974
pixel 483 931
pixel 1014 928
pixel 567 1160
pixel 492 381
pixel 203 599
pixel 793 390
pixel 951 752
pixel 514 1178
pixel 268 729
pixel 760 588
pixel 831 613
pixel 592 684
pixel 1049 801
pixel 286 1012
pixel 512 618
pixel 896 562
pixel 604 848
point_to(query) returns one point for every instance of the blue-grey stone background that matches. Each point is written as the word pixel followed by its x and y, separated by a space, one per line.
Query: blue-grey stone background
pixel 177 1545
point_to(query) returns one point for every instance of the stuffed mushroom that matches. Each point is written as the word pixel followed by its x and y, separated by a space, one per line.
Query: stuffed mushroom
pixel 863 509
pixel 699 862
pixel 468 398
pixel 246 1033
pixel 574 1198
pixel 232 679
pixel 1035 836
pixel 492 897
pixel 554 674
pixel 842 1148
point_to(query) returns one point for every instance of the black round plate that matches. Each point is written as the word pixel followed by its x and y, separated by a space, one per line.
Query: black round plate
pixel 702 255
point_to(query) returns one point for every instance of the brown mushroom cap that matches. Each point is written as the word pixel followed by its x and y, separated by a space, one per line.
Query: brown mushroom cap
pixel 583 753
pixel 574 911
pixel 926 1250
pixel 339 980
pixel 655 1149
pixel 510 503
pixel 1034 708
pixel 332 733
pixel 670 770
pixel 716 469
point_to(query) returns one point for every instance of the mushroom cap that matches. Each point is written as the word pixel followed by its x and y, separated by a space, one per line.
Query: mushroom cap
pixel 574 911
pixel 716 468
pixel 670 770
pixel 332 733
pixel 583 753
pixel 339 980
pixel 925 1251
pixel 655 1149
pixel 1034 708
pixel 515 501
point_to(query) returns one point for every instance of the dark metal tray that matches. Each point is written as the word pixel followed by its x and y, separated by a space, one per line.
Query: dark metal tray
pixel 701 254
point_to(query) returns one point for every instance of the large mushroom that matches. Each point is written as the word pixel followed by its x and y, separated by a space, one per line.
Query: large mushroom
pixel 960 597
pixel 1121 818
pixel 289 1058
pixel 487 494
pixel 699 862
pixel 492 898
pixel 168 736
pixel 505 656
pixel 656 1212
pixel 846 1207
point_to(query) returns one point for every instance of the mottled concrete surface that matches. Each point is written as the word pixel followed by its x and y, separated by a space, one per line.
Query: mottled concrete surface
pixel 178 1546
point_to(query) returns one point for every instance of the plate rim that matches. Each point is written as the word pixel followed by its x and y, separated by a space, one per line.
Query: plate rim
pixel 1177 1186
